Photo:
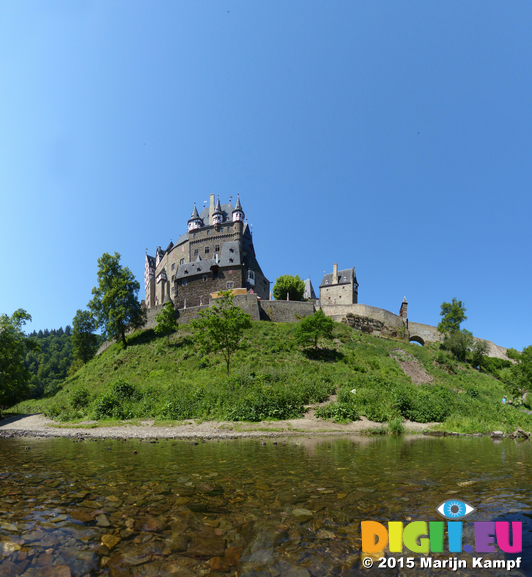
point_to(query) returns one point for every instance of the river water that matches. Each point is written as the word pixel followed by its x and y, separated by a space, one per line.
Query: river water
pixel 278 507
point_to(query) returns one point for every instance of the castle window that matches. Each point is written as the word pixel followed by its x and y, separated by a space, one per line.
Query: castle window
pixel 230 260
pixel 217 248
pixel 231 250
pixel 184 282
pixel 173 266
pixel 182 261
pixel 196 251
pixel 228 229
pixel 230 285
pixel 194 235
pixel 208 231
pixel 207 249
pixel 204 278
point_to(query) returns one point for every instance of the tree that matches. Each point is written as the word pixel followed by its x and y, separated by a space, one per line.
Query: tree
pixel 84 341
pixel 453 314
pixel 115 307
pixel 479 351
pixel 459 343
pixel 14 377
pixel 311 328
pixel 166 321
pixel 519 379
pixel 221 328
pixel 291 285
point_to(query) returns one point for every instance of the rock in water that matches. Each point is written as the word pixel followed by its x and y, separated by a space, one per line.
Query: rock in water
pixel 302 515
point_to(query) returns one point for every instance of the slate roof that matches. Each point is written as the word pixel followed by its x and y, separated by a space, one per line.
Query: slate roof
pixel 225 209
pixel 309 290
pixel 194 213
pixel 151 261
pixel 344 277
pixel 230 250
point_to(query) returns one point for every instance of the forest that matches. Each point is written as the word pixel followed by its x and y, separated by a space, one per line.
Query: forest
pixel 52 362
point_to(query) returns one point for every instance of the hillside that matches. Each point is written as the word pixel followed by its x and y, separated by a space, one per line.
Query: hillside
pixel 385 380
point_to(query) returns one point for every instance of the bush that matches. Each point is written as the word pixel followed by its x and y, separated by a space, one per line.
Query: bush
pixel 117 402
pixel 430 404
pixel 340 412
pixel 396 427
pixel 80 397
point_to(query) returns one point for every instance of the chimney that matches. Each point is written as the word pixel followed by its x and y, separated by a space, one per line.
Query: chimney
pixel 211 209
pixel 335 274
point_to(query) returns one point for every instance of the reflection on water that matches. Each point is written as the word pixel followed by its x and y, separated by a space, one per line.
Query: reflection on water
pixel 285 507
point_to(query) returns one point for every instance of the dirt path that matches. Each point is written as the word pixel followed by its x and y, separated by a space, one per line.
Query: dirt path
pixel 40 426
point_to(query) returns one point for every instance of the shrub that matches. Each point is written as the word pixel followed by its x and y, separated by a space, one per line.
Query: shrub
pixel 340 412
pixel 80 397
pixel 396 427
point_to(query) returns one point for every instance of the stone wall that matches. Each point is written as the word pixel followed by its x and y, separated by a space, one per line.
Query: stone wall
pixel 340 312
pixel 285 311
pixel 364 318
pixel 198 291
pixel 337 294
pixel 422 334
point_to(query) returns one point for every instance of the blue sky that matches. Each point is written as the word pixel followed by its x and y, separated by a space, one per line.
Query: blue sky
pixel 394 137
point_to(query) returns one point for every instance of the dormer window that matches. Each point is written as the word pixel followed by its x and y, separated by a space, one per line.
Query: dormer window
pixel 230 260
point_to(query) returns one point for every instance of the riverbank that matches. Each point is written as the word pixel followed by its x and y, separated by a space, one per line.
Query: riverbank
pixel 38 425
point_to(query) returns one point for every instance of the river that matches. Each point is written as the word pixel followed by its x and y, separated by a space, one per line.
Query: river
pixel 287 507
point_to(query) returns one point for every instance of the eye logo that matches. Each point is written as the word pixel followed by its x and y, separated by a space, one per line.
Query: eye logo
pixel 455 509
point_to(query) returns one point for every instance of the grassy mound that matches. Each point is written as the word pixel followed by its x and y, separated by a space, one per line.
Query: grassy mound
pixel 274 379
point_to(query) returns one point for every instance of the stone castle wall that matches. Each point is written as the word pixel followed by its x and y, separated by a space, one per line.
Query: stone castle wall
pixel 364 318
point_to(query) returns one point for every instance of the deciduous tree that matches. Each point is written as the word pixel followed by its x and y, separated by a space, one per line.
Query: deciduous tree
pixel 453 314
pixel 84 341
pixel 166 321
pixel 519 379
pixel 289 285
pixel 14 377
pixel 314 327
pixel 115 306
pixel 221 328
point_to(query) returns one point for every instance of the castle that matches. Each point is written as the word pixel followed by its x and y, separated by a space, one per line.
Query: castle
pixel 216 253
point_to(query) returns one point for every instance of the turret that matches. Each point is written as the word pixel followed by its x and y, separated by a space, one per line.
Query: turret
pixel 217 215
pixel 403 309
pixel 238 213
pixel 194 221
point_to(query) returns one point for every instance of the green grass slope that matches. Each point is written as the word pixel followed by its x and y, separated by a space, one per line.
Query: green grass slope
pixel 273 379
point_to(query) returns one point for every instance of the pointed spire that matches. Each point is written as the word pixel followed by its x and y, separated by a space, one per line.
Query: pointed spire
pixel 238 213
pixel 194 213
pixel 218 207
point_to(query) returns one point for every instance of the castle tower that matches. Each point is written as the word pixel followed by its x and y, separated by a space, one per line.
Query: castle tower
pixel 217 215
pixel 238 213
pixel 194 221
pixel 403 309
